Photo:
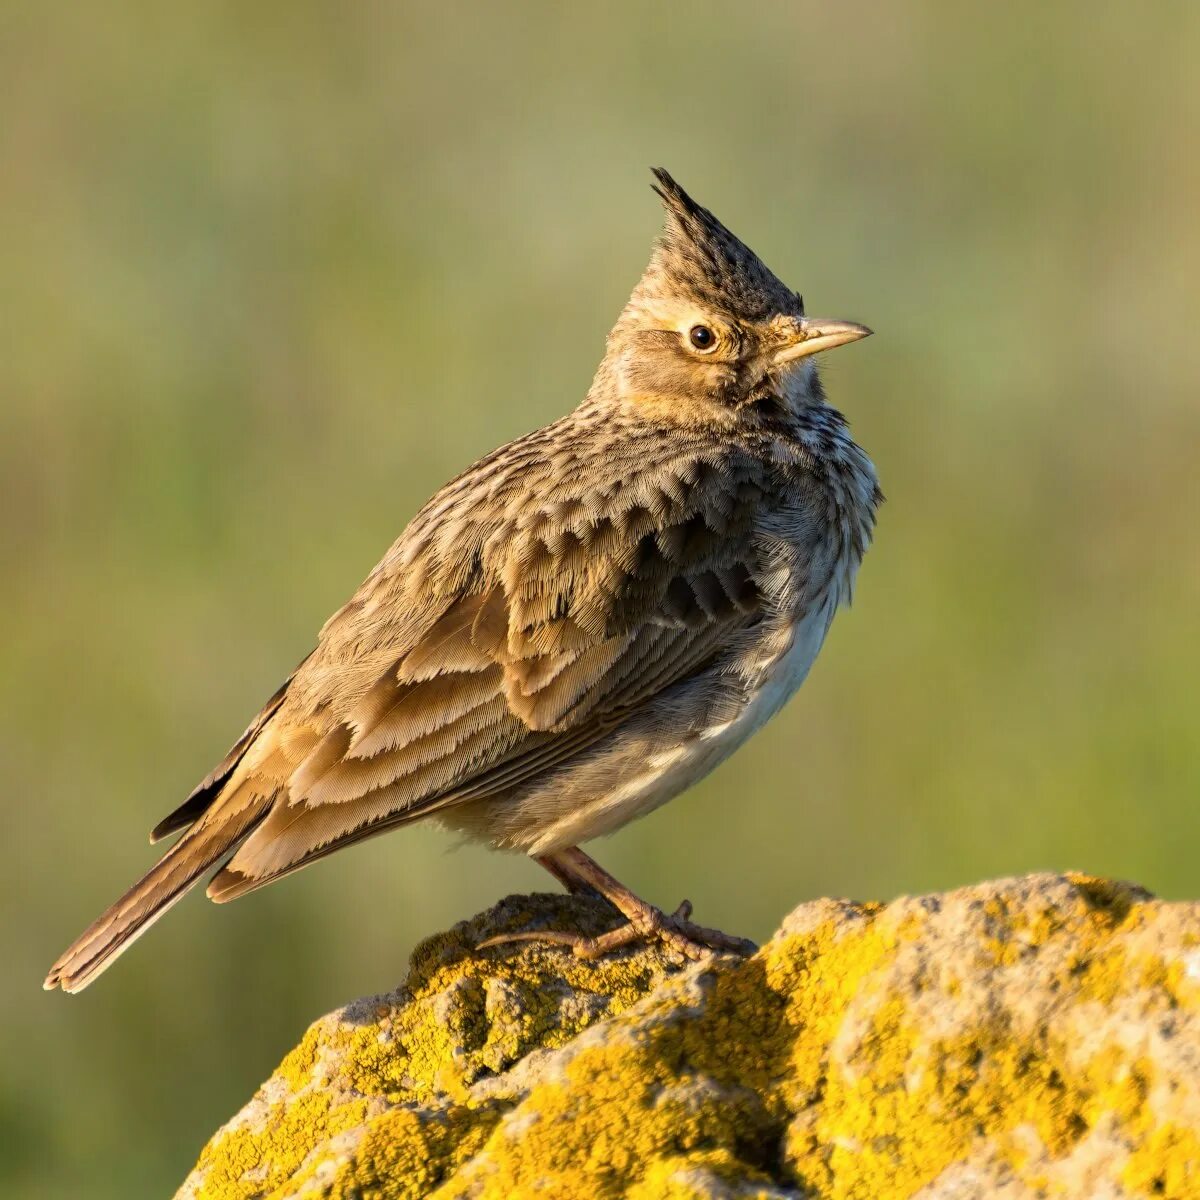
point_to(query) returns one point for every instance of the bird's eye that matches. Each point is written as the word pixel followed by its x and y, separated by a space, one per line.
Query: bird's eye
pixel 702 337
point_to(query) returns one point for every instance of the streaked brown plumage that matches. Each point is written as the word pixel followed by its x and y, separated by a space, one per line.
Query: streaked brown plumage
pixel 576 628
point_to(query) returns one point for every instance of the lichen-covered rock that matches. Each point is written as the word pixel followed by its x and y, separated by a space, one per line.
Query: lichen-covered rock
pixel 1037 1037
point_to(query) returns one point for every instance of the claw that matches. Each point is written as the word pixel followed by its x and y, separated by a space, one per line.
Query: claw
pixel 545 935
pixel 676 931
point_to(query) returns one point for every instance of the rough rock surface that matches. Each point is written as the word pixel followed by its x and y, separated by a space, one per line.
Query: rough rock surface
pixel 1032 1037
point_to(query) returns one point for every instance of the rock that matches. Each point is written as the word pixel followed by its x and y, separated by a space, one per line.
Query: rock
pixel 1032 1037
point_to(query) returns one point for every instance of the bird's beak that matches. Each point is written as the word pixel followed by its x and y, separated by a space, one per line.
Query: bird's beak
pixel 811 335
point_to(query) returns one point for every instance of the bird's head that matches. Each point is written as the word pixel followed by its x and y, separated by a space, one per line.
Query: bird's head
pixel 709 328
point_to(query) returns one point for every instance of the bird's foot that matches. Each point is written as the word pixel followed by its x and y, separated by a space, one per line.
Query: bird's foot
pixel 676 931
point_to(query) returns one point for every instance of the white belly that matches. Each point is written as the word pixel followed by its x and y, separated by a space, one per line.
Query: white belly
pixel 777 668
pixel 781 677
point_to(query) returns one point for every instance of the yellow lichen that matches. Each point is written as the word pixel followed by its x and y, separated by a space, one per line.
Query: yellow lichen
pixel 857 1056
pixel 1166 1165
pixel 699 1176
pixel 363 1077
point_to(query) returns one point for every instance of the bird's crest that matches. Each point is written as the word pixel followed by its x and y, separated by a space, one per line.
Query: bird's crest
pixel 697 255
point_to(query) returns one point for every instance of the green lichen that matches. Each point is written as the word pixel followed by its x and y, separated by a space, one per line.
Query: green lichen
pixel 866 1052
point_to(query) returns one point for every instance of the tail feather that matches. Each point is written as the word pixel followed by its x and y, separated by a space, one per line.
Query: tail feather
pixel 115 930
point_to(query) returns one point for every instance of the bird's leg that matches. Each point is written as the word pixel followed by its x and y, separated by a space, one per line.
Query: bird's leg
pixel 580 872
pixel 573 883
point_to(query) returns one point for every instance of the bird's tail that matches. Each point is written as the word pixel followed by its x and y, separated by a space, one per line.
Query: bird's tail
pixel 213 837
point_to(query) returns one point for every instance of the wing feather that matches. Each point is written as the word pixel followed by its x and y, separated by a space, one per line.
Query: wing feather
pixel 207 790
pixel 554 617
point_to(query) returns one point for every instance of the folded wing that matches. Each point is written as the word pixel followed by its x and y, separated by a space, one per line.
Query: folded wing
pixel 553 625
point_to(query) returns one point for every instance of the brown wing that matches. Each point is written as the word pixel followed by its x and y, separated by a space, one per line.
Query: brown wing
pixel 207 790
pixel 561 602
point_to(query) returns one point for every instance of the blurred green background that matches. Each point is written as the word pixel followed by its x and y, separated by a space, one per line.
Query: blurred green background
pixel 271 273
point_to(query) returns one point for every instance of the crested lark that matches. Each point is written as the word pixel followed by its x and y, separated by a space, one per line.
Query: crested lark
pixel 574 630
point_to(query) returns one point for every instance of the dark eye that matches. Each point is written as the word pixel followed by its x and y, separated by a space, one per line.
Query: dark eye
pixel 702 337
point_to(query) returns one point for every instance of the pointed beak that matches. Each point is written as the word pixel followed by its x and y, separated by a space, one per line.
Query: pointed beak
pixel 811 335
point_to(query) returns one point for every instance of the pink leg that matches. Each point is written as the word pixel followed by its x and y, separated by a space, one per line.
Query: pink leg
pixel 573 884
pixel 579 872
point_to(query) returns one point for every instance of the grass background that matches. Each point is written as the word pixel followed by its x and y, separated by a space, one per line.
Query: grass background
pixel 272 272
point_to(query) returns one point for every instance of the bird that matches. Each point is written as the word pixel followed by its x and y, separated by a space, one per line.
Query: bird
pixel 575 629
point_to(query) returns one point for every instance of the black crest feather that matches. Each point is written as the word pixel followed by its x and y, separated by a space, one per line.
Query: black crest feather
pixel 699 255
